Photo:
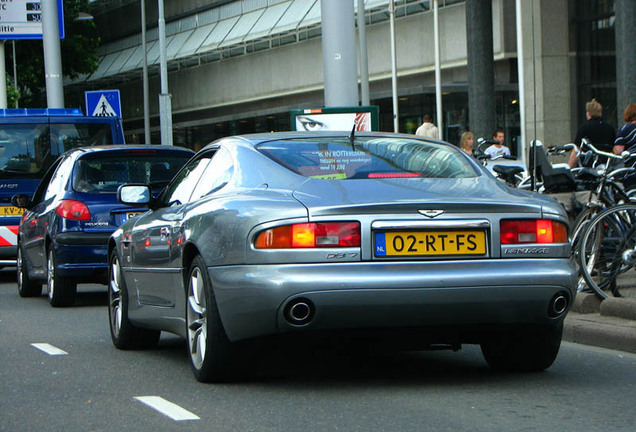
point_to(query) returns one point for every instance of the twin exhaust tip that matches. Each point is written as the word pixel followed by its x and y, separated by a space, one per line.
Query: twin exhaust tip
pixel 299 312
pixel 558 305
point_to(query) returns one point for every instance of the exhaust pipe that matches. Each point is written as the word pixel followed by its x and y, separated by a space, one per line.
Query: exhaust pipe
pixel 299 312
pixel 558 305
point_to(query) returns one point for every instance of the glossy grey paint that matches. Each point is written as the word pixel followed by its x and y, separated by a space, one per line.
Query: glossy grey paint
pixel 252 286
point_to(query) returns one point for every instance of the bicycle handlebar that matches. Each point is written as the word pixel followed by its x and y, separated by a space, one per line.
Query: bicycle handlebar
pixel 596 151
pixel 562 148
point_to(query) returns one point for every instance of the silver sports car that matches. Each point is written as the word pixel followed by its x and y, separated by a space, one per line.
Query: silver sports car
pixel 366 236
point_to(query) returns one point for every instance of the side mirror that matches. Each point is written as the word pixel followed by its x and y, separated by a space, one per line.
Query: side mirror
pixel 134 194
pixel 21 200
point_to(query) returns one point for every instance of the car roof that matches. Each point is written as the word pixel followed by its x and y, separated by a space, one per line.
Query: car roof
pixel 258 138
pixel 125 147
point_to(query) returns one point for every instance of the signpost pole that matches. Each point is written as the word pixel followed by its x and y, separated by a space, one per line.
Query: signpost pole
pixel 165 104
pixel 147 139
pixel 52 55
pixel 15 77
pixel 3 78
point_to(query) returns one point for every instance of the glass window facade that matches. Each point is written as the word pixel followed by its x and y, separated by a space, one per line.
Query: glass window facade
pixel 595 56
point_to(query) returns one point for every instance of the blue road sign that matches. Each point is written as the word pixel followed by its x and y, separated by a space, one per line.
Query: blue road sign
pixel 103 103
pixel 22 19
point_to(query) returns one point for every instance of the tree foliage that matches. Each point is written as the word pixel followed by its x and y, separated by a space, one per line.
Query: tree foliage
pixel 78 50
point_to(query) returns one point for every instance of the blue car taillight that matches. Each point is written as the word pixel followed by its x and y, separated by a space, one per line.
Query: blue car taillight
pixel 74 210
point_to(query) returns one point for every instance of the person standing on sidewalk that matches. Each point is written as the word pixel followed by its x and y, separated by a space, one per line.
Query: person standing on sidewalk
pixel 499 137
pixel 594 129
pixel 427 129
pixel 466 142
pixel 626 141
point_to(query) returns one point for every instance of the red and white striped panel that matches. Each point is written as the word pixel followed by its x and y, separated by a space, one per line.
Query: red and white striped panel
pixel 9 235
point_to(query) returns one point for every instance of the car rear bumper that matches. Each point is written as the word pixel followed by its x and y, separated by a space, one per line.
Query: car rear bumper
pixel 81 238
pixel 255 301
pixel 83 261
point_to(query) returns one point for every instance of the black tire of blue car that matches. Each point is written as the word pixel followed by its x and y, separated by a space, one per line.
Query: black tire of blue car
pixel 219 360
pixel 531 349
pixel 61 291
pixel 123 332
pixel 26 286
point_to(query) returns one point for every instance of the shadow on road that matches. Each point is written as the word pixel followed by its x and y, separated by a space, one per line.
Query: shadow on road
pixel 324 365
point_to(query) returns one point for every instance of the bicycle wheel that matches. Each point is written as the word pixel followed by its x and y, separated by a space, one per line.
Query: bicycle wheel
pixel 580 223
pixel 624 267
pixel 600 250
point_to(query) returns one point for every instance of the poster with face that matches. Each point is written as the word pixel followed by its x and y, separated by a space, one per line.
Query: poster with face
pixel 333 121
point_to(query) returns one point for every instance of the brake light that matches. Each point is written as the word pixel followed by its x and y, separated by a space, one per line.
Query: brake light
pixel 533 231
pixel 141 151
pixel 310 235
pixel 75 210
pixel 392 175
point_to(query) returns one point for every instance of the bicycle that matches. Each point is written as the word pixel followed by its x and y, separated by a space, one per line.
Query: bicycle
pixel 607 252
pixel 605 190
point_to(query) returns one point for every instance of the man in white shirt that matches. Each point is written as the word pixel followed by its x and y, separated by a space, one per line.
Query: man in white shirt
pixel 500 148
pixel 427 129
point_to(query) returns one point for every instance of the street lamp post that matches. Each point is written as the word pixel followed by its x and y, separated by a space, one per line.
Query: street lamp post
pixel 165 104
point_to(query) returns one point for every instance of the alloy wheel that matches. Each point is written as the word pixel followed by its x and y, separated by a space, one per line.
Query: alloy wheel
pixel 197 318
pixel 114 297
pixel 50 275
pixel 20 269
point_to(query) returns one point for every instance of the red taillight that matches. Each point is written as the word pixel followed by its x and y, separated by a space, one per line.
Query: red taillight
pixel 392 175
pixel 533 231
pixel 75 210
pixel 310 235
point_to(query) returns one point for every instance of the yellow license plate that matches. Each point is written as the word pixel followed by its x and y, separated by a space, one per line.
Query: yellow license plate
pixel 11 211
pixel 429 243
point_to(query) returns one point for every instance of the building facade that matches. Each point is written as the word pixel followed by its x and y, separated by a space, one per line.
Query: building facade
pixel 241 66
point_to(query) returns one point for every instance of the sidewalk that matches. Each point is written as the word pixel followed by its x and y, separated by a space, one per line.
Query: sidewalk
pixel 610 323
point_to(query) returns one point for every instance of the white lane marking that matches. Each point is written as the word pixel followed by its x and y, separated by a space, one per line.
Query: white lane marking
pixel 49 349
pixel 167 408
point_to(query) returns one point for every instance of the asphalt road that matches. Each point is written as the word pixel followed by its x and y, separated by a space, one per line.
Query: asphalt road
pixel 91 386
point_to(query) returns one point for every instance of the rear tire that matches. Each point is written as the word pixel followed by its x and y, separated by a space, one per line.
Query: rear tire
pixel 61 291
pixel 530 349
pixel 212 356
pixel 123 333
pixel 26 286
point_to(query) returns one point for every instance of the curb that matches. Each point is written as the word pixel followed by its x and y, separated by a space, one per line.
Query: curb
pixel 601 331
pixel 610 323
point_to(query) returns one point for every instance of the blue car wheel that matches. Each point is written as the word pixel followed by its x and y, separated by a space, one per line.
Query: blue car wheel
pixel 61 291
pixel 26 286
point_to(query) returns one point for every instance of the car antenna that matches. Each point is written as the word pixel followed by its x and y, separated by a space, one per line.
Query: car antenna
pixel 352 136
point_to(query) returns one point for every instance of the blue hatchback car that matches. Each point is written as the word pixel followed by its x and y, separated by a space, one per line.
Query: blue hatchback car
pixel 64 231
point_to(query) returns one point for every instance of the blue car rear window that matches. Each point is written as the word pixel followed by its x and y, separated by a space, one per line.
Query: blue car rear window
pixel 369 158
pixel 96 173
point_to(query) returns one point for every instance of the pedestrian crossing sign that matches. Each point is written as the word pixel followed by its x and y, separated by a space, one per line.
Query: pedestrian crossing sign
pixel 103 103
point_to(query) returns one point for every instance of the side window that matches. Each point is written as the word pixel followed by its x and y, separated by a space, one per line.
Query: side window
pixel 181 187
pixel 216 175
pixel 59 179
pixel 38 195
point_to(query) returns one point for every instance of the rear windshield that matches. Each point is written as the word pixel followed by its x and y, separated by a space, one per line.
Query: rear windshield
pixel 96 173
pixel 340 159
